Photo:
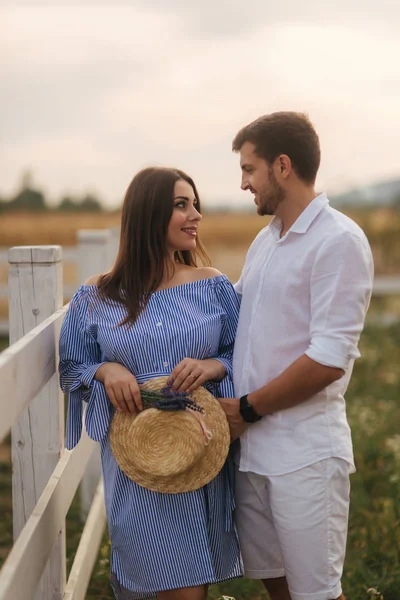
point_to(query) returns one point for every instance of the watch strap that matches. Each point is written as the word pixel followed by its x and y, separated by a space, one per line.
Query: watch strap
pixel 248 413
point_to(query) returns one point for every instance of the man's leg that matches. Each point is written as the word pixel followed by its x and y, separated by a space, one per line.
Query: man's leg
pixel 277 588
pixel 258 540
pixel 310 514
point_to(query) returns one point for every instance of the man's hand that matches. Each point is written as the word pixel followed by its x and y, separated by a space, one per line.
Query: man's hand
pixel 236 424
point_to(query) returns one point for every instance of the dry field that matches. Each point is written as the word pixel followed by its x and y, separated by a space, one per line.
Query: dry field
pixel 225 235
pixel 229 229
pixel 61 228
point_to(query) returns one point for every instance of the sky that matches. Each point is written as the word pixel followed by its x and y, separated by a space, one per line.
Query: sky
pixel 90 93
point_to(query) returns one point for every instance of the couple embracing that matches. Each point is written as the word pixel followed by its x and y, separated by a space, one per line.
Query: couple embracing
pixel 274 353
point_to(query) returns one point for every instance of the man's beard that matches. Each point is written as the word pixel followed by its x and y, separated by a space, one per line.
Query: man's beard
pixel 269 202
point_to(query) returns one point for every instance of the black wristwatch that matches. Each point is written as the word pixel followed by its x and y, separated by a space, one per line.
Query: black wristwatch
pixel 248 413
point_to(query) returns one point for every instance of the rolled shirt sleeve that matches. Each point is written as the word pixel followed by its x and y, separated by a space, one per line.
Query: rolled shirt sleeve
pixel 341 287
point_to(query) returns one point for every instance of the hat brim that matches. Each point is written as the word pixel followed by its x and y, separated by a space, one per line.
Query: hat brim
pixel 204 470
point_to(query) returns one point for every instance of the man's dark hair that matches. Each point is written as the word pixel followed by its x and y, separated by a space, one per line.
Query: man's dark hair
pixel 287 133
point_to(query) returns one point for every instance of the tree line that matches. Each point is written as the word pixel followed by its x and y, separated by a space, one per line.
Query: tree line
pixel 30 198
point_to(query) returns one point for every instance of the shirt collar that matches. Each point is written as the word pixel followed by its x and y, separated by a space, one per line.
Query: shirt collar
pixel 307 217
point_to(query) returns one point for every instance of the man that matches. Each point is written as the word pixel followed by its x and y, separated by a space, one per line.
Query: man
pixel 305 289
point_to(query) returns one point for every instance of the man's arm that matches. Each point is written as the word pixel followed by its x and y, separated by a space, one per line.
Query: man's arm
pixel 341 285
pixel 299 382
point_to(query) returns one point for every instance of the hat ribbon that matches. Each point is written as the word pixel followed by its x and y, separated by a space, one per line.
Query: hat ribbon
pixel 182 403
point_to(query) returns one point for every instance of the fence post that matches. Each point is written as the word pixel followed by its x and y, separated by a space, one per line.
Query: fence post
pixel 114 244
pixel 94 257
pixel 35 292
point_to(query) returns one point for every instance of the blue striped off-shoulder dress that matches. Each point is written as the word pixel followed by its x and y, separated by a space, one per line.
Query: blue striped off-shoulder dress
pixel 158 541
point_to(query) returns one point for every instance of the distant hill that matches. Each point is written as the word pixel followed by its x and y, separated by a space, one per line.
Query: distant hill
pixel 385 193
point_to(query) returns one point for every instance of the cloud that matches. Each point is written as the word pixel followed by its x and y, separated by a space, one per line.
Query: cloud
pixel 92 94
pixel 59 65
pixel 235 18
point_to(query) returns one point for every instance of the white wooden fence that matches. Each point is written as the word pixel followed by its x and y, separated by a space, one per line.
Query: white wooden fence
pixel 90 238
pixel 45 475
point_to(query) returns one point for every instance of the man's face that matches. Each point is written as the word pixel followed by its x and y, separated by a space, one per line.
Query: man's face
pixel 258 177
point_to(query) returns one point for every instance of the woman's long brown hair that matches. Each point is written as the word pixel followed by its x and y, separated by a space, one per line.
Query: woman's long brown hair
pixel 143 256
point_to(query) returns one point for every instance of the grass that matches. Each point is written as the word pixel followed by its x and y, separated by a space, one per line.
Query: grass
pixel 373 556
pixel 373 550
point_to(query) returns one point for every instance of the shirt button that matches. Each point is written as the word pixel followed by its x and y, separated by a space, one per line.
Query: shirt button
pixel 159 324
pixel 166 364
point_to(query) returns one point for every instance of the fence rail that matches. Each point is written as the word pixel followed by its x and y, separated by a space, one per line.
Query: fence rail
pixel 26 366
pixel 45 475
pixel 33 546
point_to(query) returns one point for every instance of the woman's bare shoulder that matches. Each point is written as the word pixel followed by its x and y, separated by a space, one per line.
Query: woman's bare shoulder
pixel 94 279
pixel 207 273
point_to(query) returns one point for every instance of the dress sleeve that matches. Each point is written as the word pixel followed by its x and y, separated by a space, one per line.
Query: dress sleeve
pixel 80 357
pixel 229 302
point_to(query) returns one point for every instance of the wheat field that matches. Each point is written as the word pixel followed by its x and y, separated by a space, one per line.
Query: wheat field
pixel 229 228
pixel 226 236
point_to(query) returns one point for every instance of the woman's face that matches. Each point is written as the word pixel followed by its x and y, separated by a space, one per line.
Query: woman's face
pixel 182 228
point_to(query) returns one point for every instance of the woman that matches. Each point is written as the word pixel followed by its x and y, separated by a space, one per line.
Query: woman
pixel 156 313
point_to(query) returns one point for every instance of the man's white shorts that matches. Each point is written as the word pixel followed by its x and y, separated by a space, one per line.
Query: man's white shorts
pixel 295 525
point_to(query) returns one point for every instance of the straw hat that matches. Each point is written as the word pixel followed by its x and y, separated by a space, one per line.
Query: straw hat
pixel 167 451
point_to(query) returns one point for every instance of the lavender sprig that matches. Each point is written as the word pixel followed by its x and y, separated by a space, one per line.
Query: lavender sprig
pixel 168 399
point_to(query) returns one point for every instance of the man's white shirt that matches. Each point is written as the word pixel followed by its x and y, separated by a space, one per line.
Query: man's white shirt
pixel 304 293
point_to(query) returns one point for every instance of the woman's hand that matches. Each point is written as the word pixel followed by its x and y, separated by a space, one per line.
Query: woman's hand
pixel 190 373
pixel 121 387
